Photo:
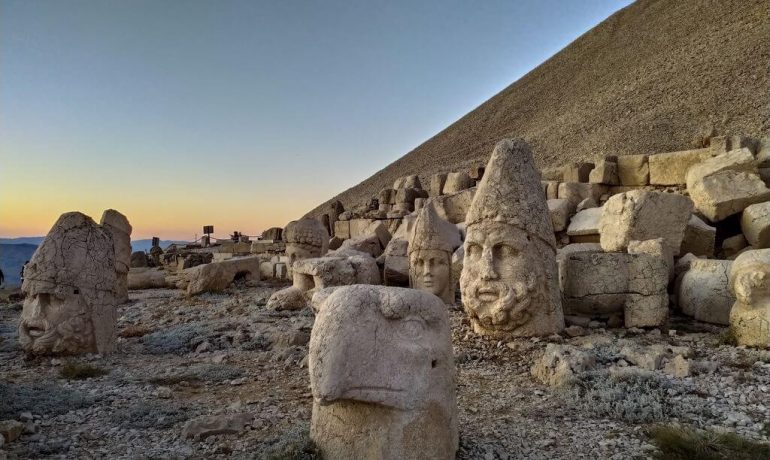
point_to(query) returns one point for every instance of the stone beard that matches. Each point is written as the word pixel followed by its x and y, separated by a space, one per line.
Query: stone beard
pixel 508 287
pixel 54 323
pixel 431 270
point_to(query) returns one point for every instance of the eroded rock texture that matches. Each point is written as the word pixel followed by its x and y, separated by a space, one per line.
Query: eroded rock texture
pixel 382 375
pixel 509 279
pixel 70 285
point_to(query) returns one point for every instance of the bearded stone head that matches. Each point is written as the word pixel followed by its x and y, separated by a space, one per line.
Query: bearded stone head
pixel 509 282
pixel 70 285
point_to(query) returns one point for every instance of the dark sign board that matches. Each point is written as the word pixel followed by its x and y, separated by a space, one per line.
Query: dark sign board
pixel 208 229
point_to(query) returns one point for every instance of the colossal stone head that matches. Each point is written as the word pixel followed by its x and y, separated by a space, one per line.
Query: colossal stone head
pixel 509 281
pixel 70 285
pixel 432 242
pixel 382 375
pixel 750 282
pixel 305 238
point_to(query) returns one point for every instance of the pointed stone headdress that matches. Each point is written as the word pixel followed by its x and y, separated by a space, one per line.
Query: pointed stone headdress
pixel 510 192
pixel 432 232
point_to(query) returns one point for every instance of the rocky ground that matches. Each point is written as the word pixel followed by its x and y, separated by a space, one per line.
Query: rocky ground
pixel 182 358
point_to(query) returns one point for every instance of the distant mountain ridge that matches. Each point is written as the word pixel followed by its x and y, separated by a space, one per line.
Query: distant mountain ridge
pixel 656 76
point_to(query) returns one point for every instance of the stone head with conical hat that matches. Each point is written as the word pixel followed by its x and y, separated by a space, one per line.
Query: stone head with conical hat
pixel 509 280
pixel 431 244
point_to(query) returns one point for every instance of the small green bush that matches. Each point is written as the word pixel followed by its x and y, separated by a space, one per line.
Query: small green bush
pixel 683 443
pixel 72 370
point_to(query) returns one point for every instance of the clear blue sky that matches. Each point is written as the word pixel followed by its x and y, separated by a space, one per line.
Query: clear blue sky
pixel 242 114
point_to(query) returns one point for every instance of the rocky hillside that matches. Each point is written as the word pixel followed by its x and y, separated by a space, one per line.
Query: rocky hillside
pixel 657 76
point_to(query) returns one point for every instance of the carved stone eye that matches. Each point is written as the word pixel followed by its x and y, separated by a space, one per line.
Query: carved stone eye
pixel 411 329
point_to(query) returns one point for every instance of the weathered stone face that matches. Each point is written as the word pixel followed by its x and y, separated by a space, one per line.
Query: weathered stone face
pixel 750 282
pixel 506 287
pixel 305 239
pixel 431 270
pixel 509 279
pixel 70 285
pixel 382 375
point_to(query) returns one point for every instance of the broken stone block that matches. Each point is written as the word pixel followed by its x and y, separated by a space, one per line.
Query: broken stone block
pixel 755 224
pixel 212 425
pixel 633 170
pixel 551 188
pixel 642 215
pixel 588 203
pixel 139 259
pixel 412 181
pixel 577 172
pixel 217 276
pixel 719 145
pixel 560 365
pixel 396 263
pixel 476 172
pixel 147 278
pixel 604 284
pixel 733 245
pixel 453 207
pixel 605 172
pixel 726 193
pixel 671 168
pixel 387 196
pixel 457 182
pixel 704 291
pixel 699 238
pixel 678 367
pixel 560 212
pixel 272 234
pixel 585 223
pixel 576 192
pixel 554 173
pixel 647 358
pixel 382 375
pixel 437 182
pixel 726 184
pixel 11 430
pixel 655 247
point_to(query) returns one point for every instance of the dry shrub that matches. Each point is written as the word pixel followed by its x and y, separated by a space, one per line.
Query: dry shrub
pixel 683 443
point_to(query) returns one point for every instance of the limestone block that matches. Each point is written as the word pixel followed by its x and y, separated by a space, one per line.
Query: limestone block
pixel 560 365
pixel 641 215
pixel 281 271
pixel 396 263
pixel 266 270
pixel 476 173
pixel 437 182
pixel 605 172
pixel 551 188
pixel 733 245
pixel 734 160
pixel 217 276
pixel 574 248
pixel 671 168
pixel 146 278
pixel 267 247
pixel 400 209
pixel 655 247
pixel 633 170
pixel 292 298
pixel 71 290
pixel 379 229
pixel 453 207
pixel 728 192
pixel 577 172
pixel 412 181
pixel 382 375
pixel 602 284
pixel 755 224
pixel 387 196
pixel 408 195
pixel 360 227
pixel 457 265
pixel 560 213
pixel 678 367
pixel 272 234
pixel 576 192
pixel 699 238
pixel 588 203
pixel 386 208
pixel 750 283
pixel 552 174
pixel 704 291
pixel 719 145
pixel 585 222
pixel 457 182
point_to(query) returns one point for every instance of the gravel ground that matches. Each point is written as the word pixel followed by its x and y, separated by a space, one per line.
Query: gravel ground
pixel 180 358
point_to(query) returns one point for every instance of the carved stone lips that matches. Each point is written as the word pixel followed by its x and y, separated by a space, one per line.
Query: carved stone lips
pixel 33 328
pixel 487 294
pixel 371 394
